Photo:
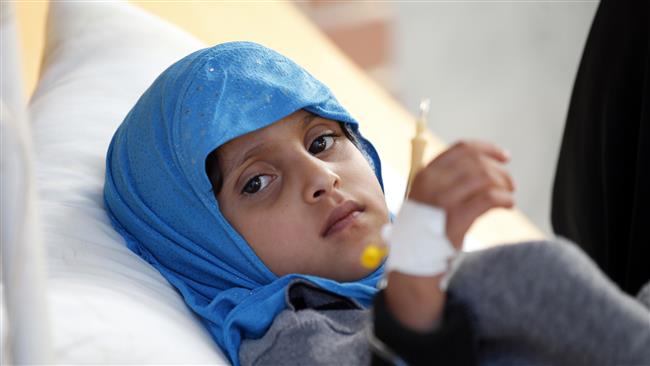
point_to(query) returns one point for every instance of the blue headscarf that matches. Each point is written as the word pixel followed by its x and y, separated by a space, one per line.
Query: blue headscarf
pixel 160 199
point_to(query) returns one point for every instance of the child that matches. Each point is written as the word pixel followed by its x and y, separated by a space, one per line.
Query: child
pixel 246 184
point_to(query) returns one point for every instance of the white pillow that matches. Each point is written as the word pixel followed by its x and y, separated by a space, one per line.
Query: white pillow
pixel 11 83
pixel 107 306
pixel 22 289
pixel 22 294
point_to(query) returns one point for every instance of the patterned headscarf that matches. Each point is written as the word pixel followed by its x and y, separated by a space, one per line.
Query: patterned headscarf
pixel 160 199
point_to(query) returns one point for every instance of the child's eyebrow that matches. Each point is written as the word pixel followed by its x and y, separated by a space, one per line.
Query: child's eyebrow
pixel 228 168
pixel 306 120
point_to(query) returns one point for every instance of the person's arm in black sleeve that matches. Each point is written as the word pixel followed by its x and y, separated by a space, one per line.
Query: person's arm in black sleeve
pixel 601 192
pixel 451 342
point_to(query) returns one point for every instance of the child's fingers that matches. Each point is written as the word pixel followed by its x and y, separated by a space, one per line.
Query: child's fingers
pixel 460 193
pixel 490 175
pixel 500 175
pixel 486 200
pixel 464 158
pixel 489 172
pixel 478 148
pixel 461 172
pixel 461 218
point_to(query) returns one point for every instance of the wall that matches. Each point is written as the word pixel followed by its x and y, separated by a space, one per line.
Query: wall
pixel 497 71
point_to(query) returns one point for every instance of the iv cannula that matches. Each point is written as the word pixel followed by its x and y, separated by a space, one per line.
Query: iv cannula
pixel 373 254
pixel 418 144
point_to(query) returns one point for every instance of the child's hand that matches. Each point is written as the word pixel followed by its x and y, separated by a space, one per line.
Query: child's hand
pixel 466 180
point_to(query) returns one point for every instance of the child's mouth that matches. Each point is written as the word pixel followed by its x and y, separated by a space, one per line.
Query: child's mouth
pixel 342 217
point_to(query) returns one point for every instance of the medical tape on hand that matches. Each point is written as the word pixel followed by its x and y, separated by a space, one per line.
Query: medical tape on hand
pixel 418 241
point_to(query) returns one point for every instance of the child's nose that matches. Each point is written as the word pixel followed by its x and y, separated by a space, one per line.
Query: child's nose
pixel 320 180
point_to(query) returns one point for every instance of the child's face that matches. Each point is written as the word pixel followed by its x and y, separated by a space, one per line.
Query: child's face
pixel 303 196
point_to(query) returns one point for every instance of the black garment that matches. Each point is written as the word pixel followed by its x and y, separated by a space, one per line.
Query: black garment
pixel 453 342
pixel 601 195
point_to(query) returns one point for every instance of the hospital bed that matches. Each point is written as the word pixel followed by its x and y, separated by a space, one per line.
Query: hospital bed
pixel 72 292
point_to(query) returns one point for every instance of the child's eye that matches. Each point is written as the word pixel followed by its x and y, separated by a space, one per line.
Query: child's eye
pixel 322 143
pixel 256 184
